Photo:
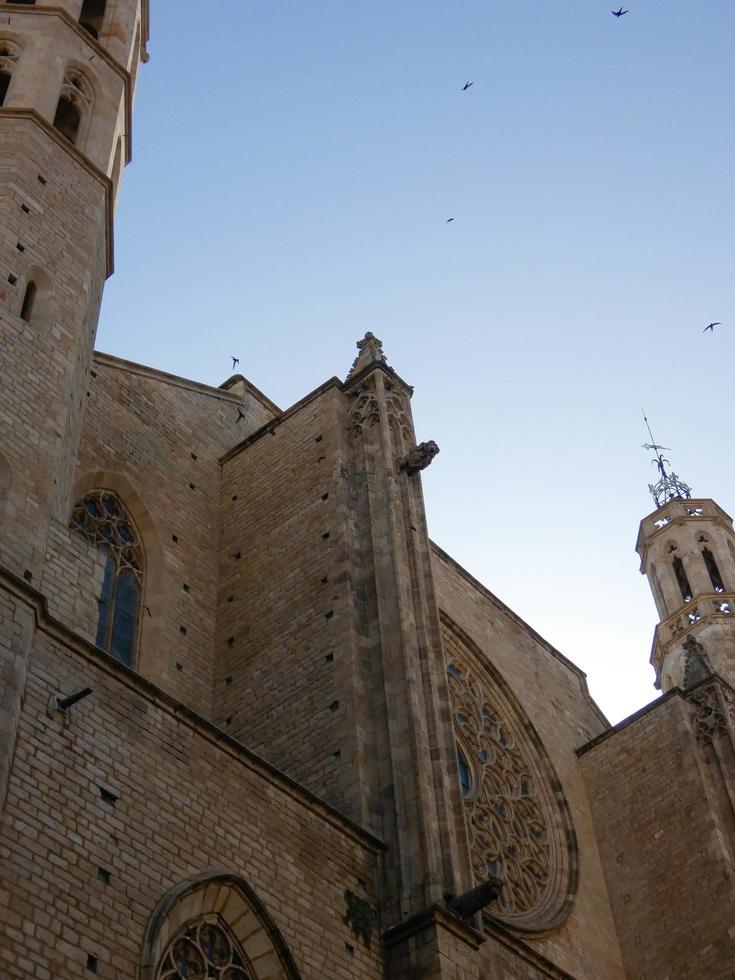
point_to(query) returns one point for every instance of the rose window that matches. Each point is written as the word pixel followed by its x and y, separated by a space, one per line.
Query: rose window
pixel 204 951
pixel 518 825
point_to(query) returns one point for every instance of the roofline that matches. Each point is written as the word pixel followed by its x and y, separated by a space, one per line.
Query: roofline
pixel 524 626
pixel 143 370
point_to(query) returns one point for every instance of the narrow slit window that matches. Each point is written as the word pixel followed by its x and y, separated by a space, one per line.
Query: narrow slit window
pixel 92 16
pixel 714 573
pixel 102 519
pixel 4 86
pixel 681 577
pixel 29 301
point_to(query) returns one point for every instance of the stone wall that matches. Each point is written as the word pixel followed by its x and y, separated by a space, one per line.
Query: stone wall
pixel 134 795
pixel 664 820
pixel 156 440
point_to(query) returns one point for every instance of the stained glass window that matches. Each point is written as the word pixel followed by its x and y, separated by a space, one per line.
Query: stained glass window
pixel 204 950
pixel 101 517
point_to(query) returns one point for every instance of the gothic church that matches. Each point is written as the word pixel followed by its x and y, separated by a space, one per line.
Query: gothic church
pixel 253 722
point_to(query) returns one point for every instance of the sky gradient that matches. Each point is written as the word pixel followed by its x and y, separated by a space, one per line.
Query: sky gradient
pixel 294 167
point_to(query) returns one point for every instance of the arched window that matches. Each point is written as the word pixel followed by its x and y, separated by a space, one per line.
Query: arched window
pixel 29 299
pixel 92 15
pixel 714 573
pixel 8 56
pixel 204 949
pixel 214 926
pixel 75 103
pixel 101 517
pixel 681 577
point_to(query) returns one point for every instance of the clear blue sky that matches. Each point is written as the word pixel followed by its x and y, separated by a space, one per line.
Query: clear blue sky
pixel 294 167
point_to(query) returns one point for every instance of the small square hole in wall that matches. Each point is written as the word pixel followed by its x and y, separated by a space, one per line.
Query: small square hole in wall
pixel 28 575
pixel 12 279
pixel 318 439
pixel 21 248
pixel 230 641
pixel 234 497
pixel 25 209
pixel 192 486
pixel 325 536
pixel 228 679
pixel 230 598
pixel 334 706
pixel 103 875
pixel 174 538
pixel 179 666
pixel 228 722
pixel 91 963
pixel 108 796
pixel 325 580
pixel 182 629
pixel 238 556
pixel 194 456
pixel 329 658
pixel 350 949
pixel 184 586
pixel 325 496
pixel 41 180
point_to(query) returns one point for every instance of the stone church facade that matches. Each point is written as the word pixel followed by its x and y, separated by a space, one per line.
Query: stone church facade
pixel 253 722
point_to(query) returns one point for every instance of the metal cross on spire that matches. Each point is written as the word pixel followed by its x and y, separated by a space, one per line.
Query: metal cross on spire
pixel 669 486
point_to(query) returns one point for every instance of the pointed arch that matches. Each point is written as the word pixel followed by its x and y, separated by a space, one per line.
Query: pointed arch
pixel 227 900
pixel 74 108
pixel 151 618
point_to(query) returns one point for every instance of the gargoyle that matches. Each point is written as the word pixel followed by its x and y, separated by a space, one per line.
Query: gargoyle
pixel 418 458
pixel 475 900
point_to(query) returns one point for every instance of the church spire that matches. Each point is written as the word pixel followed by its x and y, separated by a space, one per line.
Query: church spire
pixel 669 487
pixel 371 352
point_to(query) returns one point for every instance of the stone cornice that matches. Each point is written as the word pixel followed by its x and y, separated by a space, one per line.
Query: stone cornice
pixel 49 10
pixel 142 370
pixel 12 112
pixel 56 630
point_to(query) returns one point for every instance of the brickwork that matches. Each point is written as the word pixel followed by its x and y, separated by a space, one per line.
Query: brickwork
pixel 60 226
pixel 283 650
pixel 553 695
pixel 211 806
pixel 156 440
pixel 666 850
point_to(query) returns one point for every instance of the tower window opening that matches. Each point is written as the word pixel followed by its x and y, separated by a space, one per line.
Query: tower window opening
pixel 68 119
pixel 29 300
pixel 714 573
pixel 681 577
pixel 92 16
pixel 4 86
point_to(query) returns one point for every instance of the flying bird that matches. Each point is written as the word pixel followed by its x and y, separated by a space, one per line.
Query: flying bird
pixel 467 85
pixel 711 326
pixel 619 12
pixel 448 220
pixel 240 415
pixel 235 361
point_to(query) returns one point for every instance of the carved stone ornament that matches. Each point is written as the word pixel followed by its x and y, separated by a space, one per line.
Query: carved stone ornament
pixel 518 822
pixel 365 411
pixel 696 665
pixel 361 916
pixel 419 457
pixel 371 352
pixel 709 713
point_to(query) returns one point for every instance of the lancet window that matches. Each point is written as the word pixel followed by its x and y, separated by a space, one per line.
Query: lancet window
pixel 102 519
pixel 74 105
pixel 92 16
pixel 714 573
pixel 8 56
pixel 683 580
pixel 204 949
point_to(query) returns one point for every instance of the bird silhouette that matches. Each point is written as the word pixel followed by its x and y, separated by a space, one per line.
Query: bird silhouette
pixel 619 12
pixel 467 85
pixel 711 326
pixel 240 415
pixel 448 220
pixel 235 361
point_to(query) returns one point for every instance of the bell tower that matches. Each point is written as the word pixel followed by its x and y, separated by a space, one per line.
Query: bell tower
pixel 687 552
pixel 67 78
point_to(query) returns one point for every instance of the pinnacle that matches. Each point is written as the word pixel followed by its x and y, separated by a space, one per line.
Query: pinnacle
pixel 371 352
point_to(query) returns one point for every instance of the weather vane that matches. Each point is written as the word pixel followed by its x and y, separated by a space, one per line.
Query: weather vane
pixel 669 486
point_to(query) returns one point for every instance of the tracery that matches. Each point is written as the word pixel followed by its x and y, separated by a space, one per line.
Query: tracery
pixel 204 949
pixel 103 520
pixel 512 817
